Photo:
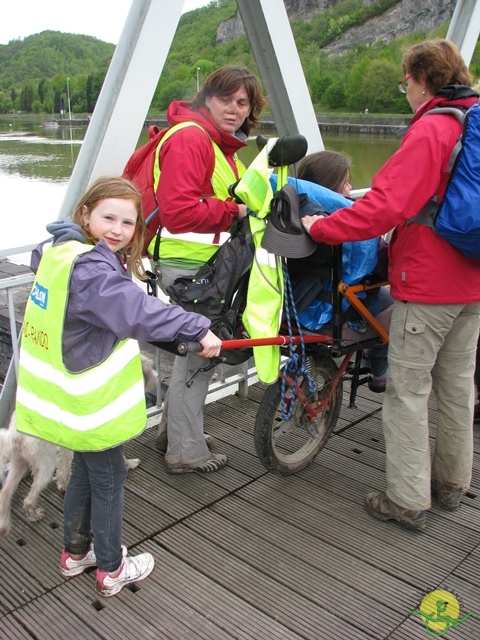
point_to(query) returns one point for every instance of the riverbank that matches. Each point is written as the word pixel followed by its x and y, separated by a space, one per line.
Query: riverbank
pixel 347 123
pixel 364 124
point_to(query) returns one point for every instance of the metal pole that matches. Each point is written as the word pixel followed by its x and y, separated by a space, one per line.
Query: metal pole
pixel 465 27
pixel 68 99
pixel 268 29
pixel 198 80
pixel 126 95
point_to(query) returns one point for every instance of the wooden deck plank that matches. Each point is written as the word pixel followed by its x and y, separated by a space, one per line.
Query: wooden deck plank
pixel 232 613
pixel 21 587
pixel 11 629
pixel 374 456
pixel 338 563
pixel 296 573
pixel 282 604
pixel 252 555
pixel 401 553
pixel 469 569
pixel 144 610
pixel 46 618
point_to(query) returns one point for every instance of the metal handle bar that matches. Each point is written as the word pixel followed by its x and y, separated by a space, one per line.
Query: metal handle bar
pixel 244 343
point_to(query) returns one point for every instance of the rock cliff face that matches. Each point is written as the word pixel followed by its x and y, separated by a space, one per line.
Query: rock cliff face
pixel 296 10
pixel 407 17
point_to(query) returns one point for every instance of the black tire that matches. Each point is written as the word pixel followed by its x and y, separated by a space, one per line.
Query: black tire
pixel 290 446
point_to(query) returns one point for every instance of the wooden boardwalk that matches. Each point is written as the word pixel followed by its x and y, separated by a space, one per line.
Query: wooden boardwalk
pixel 247 554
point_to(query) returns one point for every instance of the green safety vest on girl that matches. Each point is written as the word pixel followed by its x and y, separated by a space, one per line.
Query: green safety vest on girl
pixel 195 248
pixel 95 409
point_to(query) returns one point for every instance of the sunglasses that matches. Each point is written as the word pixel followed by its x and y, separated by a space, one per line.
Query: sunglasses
pixel 403 84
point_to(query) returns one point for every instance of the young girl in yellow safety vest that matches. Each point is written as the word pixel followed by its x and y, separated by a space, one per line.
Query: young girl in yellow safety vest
pixel 80 379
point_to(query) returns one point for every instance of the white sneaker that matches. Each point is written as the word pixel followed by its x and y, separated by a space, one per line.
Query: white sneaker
pixel 70 567
pixel 133 569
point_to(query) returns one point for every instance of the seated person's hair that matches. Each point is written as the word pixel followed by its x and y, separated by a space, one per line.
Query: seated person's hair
pixel 330 169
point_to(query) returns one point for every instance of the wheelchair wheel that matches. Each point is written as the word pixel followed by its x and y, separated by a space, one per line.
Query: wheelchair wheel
pixel 290 445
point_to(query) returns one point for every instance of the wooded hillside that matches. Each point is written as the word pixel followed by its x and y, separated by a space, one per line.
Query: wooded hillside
pixel 34 71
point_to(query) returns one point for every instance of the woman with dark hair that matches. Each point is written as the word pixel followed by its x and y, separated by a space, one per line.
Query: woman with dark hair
pixel 436 291
pixel 196 162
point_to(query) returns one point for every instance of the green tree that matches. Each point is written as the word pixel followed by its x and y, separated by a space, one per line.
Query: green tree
pixel 174 90
pixel 27 97
pixel 379 87
pixel 319 88
pixel 355 85
pixel 37 106
pixel 89 94
pixel 97 83
pixel 42 89
pixel 6 103
pixel 334 96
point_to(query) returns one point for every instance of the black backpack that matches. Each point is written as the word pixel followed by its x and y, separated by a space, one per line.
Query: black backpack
pixel 218 290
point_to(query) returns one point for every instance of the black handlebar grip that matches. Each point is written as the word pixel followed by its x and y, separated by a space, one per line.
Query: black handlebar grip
pixel 233 195
pixel 188 347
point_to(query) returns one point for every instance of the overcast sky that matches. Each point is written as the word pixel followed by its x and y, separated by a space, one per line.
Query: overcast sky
pixel 103 19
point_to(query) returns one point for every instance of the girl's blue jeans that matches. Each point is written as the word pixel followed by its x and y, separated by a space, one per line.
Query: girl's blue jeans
pixel 93 507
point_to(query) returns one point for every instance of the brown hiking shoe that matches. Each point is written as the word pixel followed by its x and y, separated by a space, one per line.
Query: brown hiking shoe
pixel 446 496
pixel 216 462
pixel 379 506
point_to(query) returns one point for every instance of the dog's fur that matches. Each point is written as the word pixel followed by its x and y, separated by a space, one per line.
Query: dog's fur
pixel 44 460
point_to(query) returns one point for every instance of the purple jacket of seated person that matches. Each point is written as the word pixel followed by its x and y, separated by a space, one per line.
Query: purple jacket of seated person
pixel 106 306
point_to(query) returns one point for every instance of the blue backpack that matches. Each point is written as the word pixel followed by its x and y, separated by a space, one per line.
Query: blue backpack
pixel 457 217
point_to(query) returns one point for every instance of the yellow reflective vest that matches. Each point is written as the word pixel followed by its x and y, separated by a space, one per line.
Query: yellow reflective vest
pixel 195 248
pixel 95 409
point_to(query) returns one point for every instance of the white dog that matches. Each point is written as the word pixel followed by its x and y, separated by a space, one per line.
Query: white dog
pixel 23 453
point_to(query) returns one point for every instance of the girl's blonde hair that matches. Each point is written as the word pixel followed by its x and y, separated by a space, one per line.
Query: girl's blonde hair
pixel 116 187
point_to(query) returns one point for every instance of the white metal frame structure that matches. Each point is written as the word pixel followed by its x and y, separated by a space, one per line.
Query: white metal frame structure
pixel 465 27
pixel 140 56
pixel 136 67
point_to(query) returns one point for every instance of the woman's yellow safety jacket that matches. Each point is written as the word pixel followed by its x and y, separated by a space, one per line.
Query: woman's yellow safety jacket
pixel 196 248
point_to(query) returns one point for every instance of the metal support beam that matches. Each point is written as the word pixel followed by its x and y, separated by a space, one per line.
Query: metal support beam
pixel 126 95
pixel 464 27
pixel 268 30
pixel 138 62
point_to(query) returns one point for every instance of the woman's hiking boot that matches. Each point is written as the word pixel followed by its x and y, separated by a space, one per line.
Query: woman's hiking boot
pixel 448 498
pixel 214 463
pixel 379 506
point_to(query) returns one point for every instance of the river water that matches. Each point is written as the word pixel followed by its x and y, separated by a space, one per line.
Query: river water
pixel 36 163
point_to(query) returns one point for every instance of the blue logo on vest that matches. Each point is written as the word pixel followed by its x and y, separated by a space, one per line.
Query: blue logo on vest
pixel 39 296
